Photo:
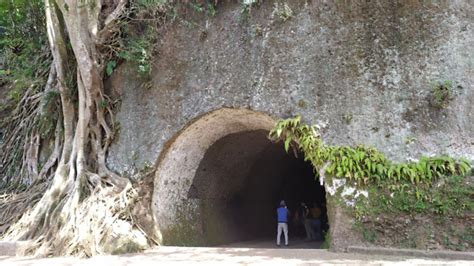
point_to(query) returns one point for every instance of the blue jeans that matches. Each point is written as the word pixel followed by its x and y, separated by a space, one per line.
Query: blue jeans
pixel 316 226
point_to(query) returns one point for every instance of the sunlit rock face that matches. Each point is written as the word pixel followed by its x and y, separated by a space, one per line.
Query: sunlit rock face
pixel 364 70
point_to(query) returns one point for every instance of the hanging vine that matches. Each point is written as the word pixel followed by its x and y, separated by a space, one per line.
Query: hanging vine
pixel 362 164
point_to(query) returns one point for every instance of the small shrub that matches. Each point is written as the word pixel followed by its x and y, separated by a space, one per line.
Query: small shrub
pixel 369 235
pixel 282 11
pixel 139 51
pixel 431 185
pixel 110 67
pixel 247 7
pixel 327 241
pixel 442 94
pixel 209 8
pixel 347 118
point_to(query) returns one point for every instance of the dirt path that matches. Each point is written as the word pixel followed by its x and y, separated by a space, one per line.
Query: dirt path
pixel 232 256
pixel 267 243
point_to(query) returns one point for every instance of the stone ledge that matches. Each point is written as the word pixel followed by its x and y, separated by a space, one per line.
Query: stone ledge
pixel 8 248
pixel 12 248
pixel 435 254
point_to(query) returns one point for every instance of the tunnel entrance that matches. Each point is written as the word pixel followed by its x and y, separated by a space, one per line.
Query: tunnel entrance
pixel 219 180
pixel 239 183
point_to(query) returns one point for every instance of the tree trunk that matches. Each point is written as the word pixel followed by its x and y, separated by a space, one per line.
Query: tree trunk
pixel 84 193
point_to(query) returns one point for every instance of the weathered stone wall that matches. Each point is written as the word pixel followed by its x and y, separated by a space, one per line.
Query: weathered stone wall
pixel 174 209
pixel 365 69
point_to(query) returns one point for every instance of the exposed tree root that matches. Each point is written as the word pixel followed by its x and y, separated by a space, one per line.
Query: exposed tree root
pixel 100 224
pixel 86 209
pixel 21 142
pixel 14 204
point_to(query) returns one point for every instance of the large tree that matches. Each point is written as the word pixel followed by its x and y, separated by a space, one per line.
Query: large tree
pixel 81 202
pixel 70 202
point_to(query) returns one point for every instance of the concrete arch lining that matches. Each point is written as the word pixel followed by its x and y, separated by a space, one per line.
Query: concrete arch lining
pixel 179 162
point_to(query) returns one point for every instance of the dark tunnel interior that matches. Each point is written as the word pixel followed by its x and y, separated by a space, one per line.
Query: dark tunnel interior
pixel 240 182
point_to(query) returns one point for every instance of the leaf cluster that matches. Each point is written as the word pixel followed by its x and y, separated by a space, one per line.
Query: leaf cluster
pixel 362 164
pixel 24 53
pixel 138 50
pixel 442 94
pixel 451 196
pixel 282 11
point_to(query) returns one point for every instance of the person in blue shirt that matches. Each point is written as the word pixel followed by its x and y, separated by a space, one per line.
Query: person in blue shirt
pixel 282 215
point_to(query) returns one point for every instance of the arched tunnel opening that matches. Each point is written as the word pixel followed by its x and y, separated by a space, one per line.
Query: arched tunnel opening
pixel 240 182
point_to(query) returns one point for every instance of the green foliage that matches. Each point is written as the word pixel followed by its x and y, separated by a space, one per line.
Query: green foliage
pixel 25 60
pixel 246 7
pixel 21 19
pixel 282 11
pixel 140 33
pixel 442 94
pixel 206 6
pixel 327 241
pixel 109 69
pixel 23 46
pixel 347 118
pixel 368 235
pixel 449 197
pixel 160 4
pixel 211 9
pixel 432 185
pixel 363 164
pixel 139 50
pixel 468 236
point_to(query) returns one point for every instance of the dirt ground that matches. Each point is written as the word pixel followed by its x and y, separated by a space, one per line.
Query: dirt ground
pixel 234 256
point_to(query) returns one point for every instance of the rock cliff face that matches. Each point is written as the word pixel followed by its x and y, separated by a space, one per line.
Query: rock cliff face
pixel 364 70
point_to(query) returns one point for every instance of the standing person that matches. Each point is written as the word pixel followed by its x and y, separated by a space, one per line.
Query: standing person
pixel 299 218
pixel 308 223
pixel 316 221
pixel 282 217
pixel 304 219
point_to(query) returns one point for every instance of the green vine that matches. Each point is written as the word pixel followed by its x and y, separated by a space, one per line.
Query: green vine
pixel 362 164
